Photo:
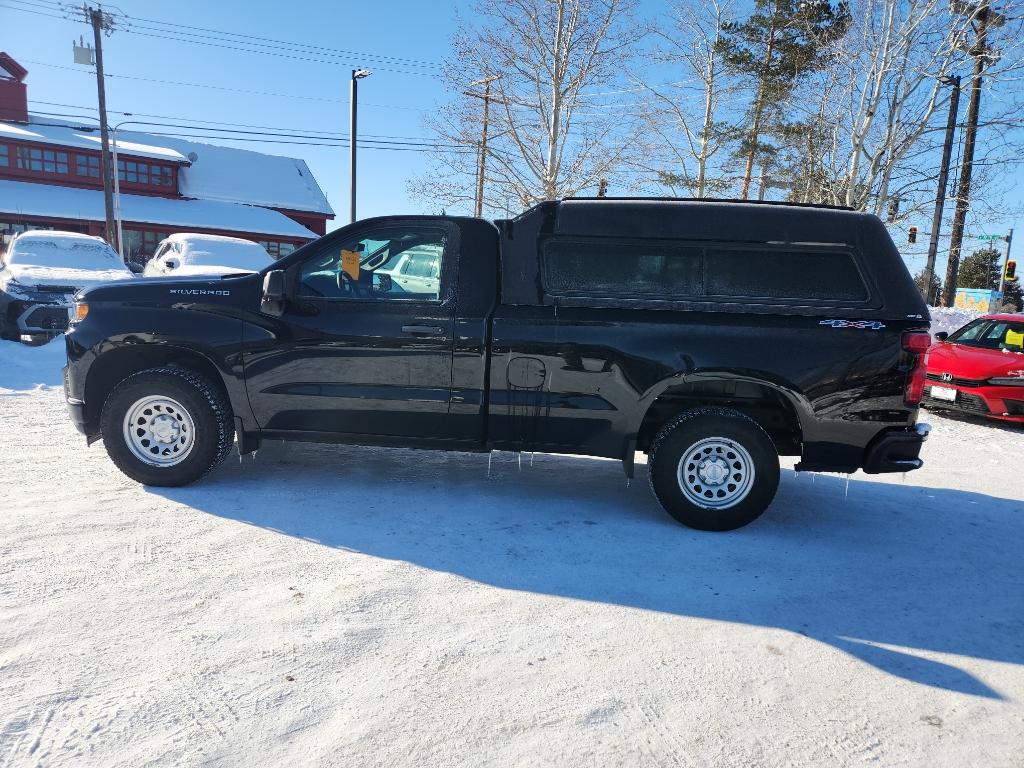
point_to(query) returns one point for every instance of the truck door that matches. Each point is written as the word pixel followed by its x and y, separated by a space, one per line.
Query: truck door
pixel 359 351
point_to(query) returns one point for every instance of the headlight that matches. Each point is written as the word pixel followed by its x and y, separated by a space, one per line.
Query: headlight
pixel 1007 381
pixel 81 310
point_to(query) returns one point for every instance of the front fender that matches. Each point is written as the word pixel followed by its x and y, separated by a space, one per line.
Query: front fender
pixel 100 354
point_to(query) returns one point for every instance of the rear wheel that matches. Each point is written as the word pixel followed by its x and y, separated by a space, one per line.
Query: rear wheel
pixel 714 469
pixel 166 426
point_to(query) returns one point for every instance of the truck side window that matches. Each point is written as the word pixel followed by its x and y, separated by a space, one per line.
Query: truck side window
pixel 392 263
pixel 780 273
pixel 621 270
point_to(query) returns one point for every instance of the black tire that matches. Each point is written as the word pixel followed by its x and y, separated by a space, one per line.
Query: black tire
pixel 681 438
pixel 204 403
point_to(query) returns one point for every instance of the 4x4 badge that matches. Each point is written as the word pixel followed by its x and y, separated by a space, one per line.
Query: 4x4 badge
pixel 873 325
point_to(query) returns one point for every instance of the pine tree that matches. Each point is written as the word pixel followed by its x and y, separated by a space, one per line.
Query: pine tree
pixel 779 43
pixel 980 270
pixel 1013 299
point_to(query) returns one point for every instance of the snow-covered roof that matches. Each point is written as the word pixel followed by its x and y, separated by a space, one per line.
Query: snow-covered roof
pixel 72 203
pixel 241 175
pixel 209 171
pixel 44 130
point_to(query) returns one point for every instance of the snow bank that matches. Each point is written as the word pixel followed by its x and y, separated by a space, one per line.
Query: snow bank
pixel 949 319
pixel 23 367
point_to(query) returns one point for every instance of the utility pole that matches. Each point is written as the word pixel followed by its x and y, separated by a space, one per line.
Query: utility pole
pixel 478 209
pixel 985 18
pixel 357 75
pixel 940 195
pixel 1006 259
pixel 102 21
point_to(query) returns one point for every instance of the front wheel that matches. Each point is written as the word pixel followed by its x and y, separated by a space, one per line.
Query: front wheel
pixel 166 426
pixel 714 469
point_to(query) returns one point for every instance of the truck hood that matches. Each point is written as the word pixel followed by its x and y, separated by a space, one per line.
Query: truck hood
pixel 973 362
pixel 171 290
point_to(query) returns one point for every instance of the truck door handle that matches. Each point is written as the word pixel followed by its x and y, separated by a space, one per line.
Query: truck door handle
pixel 423 330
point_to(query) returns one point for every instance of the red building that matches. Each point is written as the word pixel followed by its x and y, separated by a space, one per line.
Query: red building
pixel 50 179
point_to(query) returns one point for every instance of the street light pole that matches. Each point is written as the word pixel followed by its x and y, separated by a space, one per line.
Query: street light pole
pixel 940 195
pixel 357 75
pixel 98 19
pixel 478 209
pixel 1006 259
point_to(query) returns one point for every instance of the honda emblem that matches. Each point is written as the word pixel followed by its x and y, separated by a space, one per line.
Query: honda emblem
pixel 947 377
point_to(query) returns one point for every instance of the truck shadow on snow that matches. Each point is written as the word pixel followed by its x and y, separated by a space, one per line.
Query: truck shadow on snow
pixel 888 573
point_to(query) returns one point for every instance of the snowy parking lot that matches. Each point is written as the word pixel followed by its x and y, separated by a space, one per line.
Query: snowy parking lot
pixel 325 605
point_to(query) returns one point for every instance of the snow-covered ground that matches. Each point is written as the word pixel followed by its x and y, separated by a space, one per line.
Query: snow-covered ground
pixel 359 607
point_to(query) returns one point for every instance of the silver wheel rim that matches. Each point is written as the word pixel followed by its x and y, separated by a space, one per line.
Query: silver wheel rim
pixel 159 431
pixel 716 473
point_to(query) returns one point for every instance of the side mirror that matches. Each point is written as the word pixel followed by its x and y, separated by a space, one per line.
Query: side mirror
pixel 172 262
pixel 135 268
pixel 941 336
pixel 273 293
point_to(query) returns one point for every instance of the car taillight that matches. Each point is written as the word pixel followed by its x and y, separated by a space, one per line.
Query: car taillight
pixel 916 343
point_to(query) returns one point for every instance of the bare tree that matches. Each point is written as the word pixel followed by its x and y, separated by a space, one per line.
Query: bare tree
pixel 548 135
pixel 684 130
pixel 884 104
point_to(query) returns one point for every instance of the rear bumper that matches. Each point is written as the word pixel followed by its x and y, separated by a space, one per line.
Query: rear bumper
pixel 896 450
pixel 994 402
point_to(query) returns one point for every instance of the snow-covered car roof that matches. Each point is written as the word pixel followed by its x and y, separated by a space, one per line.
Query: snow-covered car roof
pixel 67 259
pixel 49 248
pixel 199 252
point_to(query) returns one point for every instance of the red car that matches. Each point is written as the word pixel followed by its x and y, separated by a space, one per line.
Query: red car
pixel 979 369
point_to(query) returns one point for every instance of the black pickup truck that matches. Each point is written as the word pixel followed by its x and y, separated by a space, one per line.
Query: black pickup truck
pixel 714 336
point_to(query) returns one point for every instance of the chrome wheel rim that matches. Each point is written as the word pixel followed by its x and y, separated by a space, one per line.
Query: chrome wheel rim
pixel 716 473
pixel 159 431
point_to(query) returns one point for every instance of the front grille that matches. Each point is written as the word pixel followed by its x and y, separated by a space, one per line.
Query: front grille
pixel 957 381
pixel 48 318
pixel 56 288
pixel 964 402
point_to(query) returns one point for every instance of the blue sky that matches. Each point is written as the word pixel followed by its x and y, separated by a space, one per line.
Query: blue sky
pixel 311 95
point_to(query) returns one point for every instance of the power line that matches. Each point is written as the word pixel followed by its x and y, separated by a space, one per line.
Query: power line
pixel 177 26
pixel 245 91
pixel 232 40
pixel 338 143
pixel 278 54
pixel 207 122
pixel 263 42
pixel 276 138
pixel 36 13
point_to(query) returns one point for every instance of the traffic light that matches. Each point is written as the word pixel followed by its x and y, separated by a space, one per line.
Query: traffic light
pixel 602 188
pixel 894 208
pixel 912 235
pixel 1010 273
